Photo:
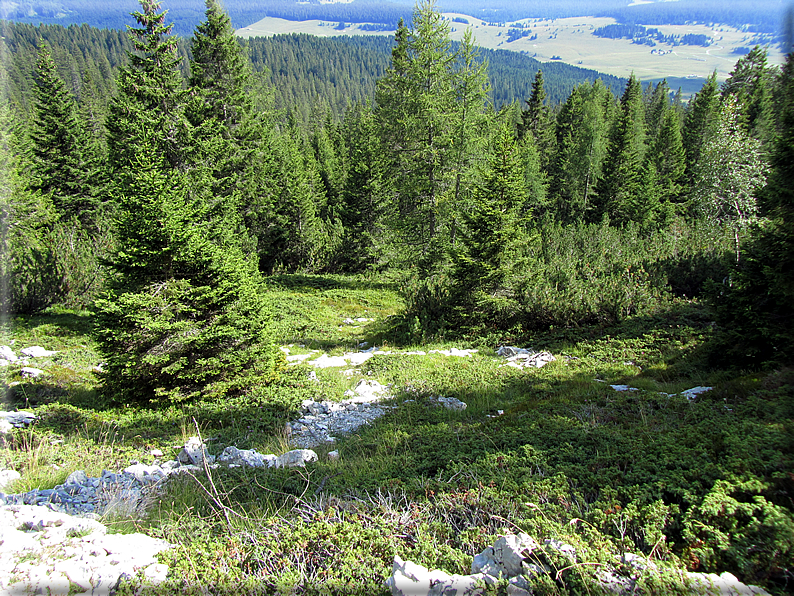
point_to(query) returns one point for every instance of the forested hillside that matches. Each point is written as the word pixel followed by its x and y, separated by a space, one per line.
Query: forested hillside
pixel 171 214
pixel 302 70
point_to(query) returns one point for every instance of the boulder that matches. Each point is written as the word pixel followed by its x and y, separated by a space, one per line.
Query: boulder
pixel 232 456
pixel 7 354
pixel 297 458
pixel 194 453
pixel 37 352
pixel 28 372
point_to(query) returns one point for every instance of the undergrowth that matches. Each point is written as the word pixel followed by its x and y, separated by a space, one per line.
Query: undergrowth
pixel 702 484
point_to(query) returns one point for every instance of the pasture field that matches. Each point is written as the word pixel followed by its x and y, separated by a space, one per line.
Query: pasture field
pixel 571 41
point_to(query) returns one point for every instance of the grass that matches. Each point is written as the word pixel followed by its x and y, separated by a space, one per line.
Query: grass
pixel 571 40
pixel 568 457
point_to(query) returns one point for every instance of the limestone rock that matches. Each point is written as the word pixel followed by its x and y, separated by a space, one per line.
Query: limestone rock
pixel 506 557
pixel 451 403
pixel 28 372
pixel 37 352
pixel 7 477
pixel 232 456
pixel 410 579
pixel 297 458
pixel 726 584
pixel 366 392
pixel 195 453
pixel 695 391
pixel 7 354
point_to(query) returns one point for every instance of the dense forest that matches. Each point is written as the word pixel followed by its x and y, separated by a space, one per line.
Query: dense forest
pixel 431 175
pixel 300 69
pixel 158 195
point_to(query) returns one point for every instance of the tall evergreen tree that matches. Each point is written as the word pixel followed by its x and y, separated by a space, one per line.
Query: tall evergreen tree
pixel 491 224
pixel 669 158
pixel 149 107
pixel 623 191
pixel 60 157
pixel 700 122
pixel 582 141
pixel 183 315
pixel 539 122
pixel 750 83
pixel 756 311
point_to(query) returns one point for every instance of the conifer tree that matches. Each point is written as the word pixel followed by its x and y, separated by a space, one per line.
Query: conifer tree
pixel 700 122
pixel 365 193
pixel 537 120
pixel 183 316
pixel 220 73
pixel 60 156
pixel 582 140
pixel 149 107
pixel 623 191
pixel 491 224
pixel 750 83
pixel 669 158
pixel 756 311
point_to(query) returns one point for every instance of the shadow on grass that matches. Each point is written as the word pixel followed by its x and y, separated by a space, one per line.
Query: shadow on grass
pixel 296 281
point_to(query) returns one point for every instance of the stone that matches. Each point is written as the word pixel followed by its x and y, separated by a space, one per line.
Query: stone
pixel 366 392
pixel 562 548
pixel 18 419
pixel 28 372
pixel 506 557
pixel 156 453
pixel 333 455
pixel 297 458
pixel 232 456
pixel 77 477
pixel 325 361
pixel 726 584
pixel 7 354
pixel 623 388
pixel 194 453
pixel 37 352
pixel 691 394
pixel 451 403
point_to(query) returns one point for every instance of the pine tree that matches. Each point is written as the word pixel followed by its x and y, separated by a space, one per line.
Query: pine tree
pixel 623 189
pixel 700 123
pixel 365 193
pixel 669 158
pixel 750 83
pixel 582 139
pixel 60 159
pixel 220 73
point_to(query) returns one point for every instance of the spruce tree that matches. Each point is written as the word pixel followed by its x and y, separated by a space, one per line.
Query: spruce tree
pixel 537 120
pixel 60 156
pixel 183 316
pixel 623 191
pixel 491 225
pixel 750 83
pixel 582 141
pixel 149 106
pixel 700 122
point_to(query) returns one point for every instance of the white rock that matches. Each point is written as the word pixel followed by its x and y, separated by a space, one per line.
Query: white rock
pixel 18 419
pixel 297 358
pixel 156 453
pixel 31 373
pixel 623 388
pixel 242 457
pixel 7 477
pixel 358 358
pixel 7 354
pixel 37 352
pixel 155 573
pixel 366 392
pixel 695 391
pixel 326 361
pixel 452 403
pixel 295 458
pixel 333 455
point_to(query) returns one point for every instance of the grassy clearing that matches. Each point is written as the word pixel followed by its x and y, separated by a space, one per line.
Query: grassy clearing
pixel 555 452
pixel 571 41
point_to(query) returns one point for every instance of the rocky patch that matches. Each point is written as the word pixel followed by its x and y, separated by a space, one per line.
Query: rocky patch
pixel 519 558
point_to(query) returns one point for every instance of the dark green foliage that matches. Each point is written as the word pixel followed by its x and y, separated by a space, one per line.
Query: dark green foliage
pixel 61 161
pixel 149 106
pixel 490 225
pixel 750 83
pixel 625 192
pixel 183 316
pixel 582 141
pixel 538 121
pixel 756 309
pixel 702 119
